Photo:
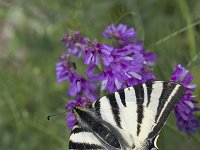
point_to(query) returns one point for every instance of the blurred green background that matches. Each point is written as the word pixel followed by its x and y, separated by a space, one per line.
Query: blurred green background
pixel 30 33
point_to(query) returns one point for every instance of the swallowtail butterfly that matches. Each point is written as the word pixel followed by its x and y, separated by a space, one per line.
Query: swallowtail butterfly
pixel 129 119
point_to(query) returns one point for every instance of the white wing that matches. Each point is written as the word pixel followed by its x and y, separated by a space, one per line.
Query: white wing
pixel 138 113
pixel 81 139
pixel 140 110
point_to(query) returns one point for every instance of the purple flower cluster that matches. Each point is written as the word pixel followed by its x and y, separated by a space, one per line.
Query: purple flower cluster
pixel 185 109
pixel 125 68
pixel 65 71
pixel 95 50
pixel 125 63
pixel 74 43
pixel 120 32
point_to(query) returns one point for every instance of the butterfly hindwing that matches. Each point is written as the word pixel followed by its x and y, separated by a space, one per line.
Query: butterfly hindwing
pixel 83 139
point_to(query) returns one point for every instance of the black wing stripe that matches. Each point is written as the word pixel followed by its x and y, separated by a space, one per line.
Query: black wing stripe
pixel 77 130
pixel 149 90
pixel 139 92
pixel 115 109
pixel 97 106
pixel 74 145
pixel 166 91
pixel 175 98
pixel 122 97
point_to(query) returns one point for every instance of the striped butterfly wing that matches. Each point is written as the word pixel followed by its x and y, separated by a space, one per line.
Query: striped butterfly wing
pixel 83 139
pixel 141 110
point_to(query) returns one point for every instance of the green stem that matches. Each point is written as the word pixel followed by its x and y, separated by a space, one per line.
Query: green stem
pixel 190 32
pixel 193 60
pixel 132 13
pixel 176 33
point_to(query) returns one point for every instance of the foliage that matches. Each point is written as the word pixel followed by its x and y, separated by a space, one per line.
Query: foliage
pixel 30 46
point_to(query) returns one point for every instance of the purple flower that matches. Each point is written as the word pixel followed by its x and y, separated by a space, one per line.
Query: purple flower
pixel 184 77
pixel 146 76
pixel 185 109
pixel 74 43
pixel 122 66
pixel 149 57
pixel 127 68
pixel 71 119
pixel 89 89
pixel 91 57
pixel 81 101
pixel 75 85
pixel 95 50
pixel 186 120
pixel 90 70
pixel 79 85
pixel 65 71
pixel 110 80
pixel 121 32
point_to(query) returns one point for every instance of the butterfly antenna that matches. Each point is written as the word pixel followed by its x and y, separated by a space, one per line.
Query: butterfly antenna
pixel 49 116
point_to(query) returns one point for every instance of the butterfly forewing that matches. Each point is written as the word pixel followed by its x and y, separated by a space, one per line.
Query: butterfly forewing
pixel 140 111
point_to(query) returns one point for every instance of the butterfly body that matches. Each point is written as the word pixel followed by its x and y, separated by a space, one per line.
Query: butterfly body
pixel 128 119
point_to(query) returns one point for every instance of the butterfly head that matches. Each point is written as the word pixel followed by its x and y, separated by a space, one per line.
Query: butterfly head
pixel 84 116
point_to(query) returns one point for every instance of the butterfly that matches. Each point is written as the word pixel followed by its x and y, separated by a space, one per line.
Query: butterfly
pixel 129 119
